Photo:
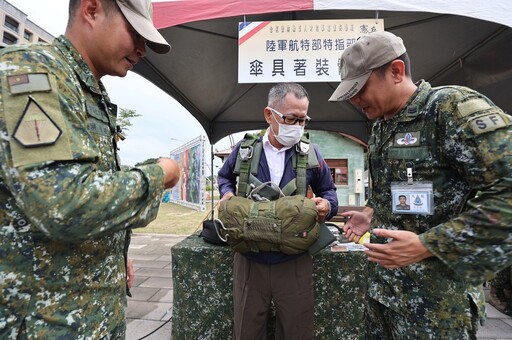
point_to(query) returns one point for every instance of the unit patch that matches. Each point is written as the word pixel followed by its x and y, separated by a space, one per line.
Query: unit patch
pixel 29 82
pixel 487 123
pixel 407 139
pixel 35 127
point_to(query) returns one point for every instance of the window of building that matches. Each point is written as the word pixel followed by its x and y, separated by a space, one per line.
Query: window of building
pixel 27 35
pixel 42 40
pixel 11 23
pixel 339 170
pixel 9 39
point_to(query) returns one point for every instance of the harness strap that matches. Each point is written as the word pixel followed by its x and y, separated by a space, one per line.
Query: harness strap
pixel 301 160
pixel 304 157
pixel 247 161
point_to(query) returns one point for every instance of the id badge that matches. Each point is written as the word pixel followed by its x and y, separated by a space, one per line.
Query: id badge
pixel 412 198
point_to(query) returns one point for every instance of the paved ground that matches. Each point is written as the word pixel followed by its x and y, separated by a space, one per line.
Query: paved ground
pixel 151 304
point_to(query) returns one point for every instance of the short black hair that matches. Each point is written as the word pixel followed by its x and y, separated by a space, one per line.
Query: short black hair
pixel 407 65
pixel 109 5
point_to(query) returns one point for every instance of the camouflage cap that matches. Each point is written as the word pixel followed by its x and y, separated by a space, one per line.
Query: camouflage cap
pixel 360 59
pixel 139 14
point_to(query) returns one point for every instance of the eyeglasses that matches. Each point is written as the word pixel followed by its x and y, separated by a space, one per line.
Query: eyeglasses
pixel 292 120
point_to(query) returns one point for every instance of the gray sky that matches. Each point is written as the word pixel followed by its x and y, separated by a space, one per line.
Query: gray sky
pixel 164 125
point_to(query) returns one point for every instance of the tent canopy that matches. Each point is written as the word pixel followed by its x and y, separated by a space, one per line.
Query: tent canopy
pixel 460 42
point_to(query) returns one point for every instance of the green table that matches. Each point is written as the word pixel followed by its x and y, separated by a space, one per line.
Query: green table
pixel 202 287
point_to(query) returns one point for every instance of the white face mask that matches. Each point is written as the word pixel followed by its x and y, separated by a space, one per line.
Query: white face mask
pixel 288 135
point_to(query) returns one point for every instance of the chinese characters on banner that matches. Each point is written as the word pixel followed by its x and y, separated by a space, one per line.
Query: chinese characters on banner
pixel 298 50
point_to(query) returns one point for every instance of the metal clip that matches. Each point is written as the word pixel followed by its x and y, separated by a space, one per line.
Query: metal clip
pixel 302 147
pixel 409 172
pixel 245 153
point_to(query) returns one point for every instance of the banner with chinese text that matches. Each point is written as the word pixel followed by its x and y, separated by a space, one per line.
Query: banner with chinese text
pixel 297 50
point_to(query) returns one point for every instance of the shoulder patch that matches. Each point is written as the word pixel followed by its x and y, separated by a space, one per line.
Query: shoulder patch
pixel 487 122
pixel 471 106
pixel 35 127
pixel 35 122
pixel 29 82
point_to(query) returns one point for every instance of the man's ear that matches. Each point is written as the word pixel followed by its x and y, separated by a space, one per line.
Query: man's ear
pixel 89 9
pixel 267 114
pixel 397 68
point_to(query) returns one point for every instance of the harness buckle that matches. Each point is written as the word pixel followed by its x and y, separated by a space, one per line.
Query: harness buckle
pixel 245 153
pixel 302 148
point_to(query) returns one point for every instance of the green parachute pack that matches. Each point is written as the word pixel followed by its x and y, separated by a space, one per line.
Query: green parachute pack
pixel 262 217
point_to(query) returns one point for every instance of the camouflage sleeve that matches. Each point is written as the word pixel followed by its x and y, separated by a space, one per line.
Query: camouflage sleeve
pixel 71 202
pixel 477 141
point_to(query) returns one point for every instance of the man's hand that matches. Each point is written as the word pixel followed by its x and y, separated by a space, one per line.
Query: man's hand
pixel 358 223
pixel 323 207
pixel 171 171
pixel 405 249
pixel 226 196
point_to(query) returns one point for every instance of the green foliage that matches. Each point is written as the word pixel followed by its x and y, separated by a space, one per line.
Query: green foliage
pixel 124 117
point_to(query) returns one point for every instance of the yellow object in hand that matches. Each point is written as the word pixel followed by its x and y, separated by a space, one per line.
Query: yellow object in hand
pixel 365 238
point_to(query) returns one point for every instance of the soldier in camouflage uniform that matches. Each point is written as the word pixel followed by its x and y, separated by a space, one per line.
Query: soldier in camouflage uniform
pixel 66 206
pixel 438 146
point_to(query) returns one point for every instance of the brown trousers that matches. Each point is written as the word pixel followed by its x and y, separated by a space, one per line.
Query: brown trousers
pixel 288 284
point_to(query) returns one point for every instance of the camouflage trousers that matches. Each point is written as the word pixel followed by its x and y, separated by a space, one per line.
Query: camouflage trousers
pixel 49 331
pixel 385 323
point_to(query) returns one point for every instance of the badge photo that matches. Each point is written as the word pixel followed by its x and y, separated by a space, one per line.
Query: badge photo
pixel 415 198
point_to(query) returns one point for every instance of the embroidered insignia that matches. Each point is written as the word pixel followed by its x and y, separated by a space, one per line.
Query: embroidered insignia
pixel 408 139
pixel 487 123
pixel 18 79
pixel 35 127
pixel 29 82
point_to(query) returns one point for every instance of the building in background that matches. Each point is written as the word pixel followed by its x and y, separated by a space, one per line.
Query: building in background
pixel 345 156
pixel 17 29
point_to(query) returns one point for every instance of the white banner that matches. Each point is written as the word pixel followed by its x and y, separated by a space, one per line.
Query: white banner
pixel 298 50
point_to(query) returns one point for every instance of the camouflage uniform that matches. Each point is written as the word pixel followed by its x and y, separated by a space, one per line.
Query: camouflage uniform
pixel 65 204
pixel 460 154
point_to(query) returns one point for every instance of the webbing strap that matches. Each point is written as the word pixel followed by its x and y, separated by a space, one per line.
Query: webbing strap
pixel 247 161
pixel 301 174
pixel 301 162
pixel 290 188
pixel 269 213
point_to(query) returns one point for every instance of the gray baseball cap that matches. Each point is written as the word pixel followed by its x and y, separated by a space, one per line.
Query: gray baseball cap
pixel 358 61
pixel 139 14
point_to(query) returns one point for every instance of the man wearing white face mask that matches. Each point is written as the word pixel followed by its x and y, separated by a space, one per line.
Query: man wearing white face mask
pixel 260 277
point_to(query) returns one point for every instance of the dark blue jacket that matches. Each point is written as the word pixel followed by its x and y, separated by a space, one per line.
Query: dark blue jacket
pixel 319 179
